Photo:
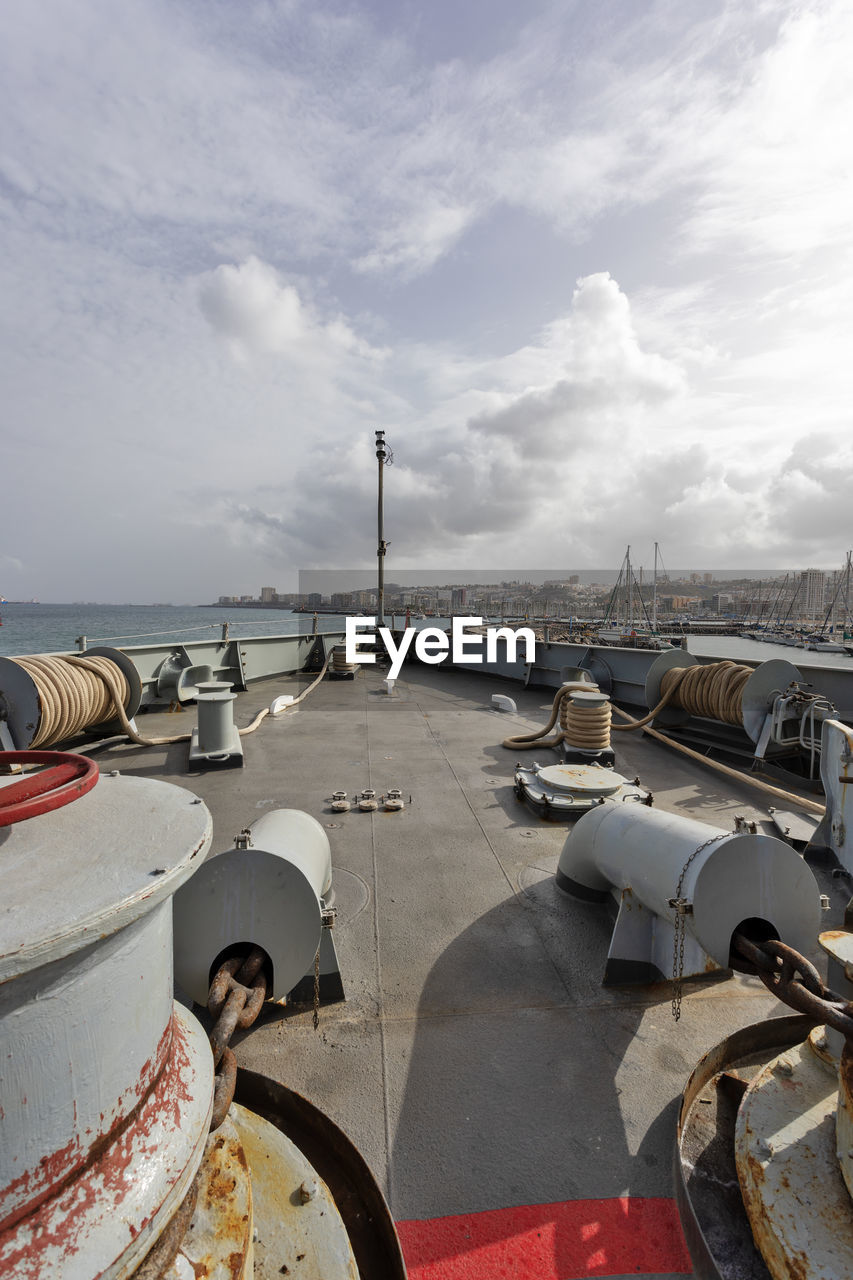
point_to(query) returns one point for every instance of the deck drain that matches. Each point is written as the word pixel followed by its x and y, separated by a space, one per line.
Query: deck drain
pixel 528 835
pixel 332 824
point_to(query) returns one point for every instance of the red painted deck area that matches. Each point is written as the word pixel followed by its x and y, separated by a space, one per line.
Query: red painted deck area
pixel 569 1240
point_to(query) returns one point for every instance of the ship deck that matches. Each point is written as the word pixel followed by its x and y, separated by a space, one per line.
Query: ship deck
pixel 519 1116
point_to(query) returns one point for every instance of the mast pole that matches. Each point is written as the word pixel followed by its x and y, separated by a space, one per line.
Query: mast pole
pixel 655 593
pixel 380 552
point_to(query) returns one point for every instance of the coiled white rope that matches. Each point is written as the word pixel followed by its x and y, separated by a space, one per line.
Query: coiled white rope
pixel 587 728
pixel 714 691
pixel 76 693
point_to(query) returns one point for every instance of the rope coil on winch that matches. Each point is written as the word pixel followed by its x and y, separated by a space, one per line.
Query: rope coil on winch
pixel 76 693
pixel 714 691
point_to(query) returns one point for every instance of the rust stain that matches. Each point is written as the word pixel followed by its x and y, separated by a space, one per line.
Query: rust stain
pixel 57 1213
pixel 71 1161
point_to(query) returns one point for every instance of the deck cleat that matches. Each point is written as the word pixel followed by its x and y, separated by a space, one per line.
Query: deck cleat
pixel 367 801
pixel 340 803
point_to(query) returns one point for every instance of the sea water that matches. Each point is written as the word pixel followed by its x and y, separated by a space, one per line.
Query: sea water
pixel 54 628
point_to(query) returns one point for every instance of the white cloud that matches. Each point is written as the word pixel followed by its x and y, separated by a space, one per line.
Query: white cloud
pixel 255 311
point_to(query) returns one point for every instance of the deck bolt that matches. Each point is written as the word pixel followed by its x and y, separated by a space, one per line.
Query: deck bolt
pixel 307 1191
pixel 765 1147
pixel 784 1067
pixel 822 1042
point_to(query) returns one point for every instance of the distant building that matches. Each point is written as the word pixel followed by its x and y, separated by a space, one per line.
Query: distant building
pixel 812 592
pixel 459 598
pixel 269 595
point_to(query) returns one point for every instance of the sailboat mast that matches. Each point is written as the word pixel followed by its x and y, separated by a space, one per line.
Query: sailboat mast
pixel 655 593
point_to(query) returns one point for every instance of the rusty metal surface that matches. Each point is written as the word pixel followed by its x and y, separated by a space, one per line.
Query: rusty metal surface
pixel 793 979
pixel 298 1229
pixel 715 1224
pixel 785 1150
pixel 158 1263
pixel 76 1233
pixel 233 1004
pixel 218 1242
pixel 844 1119
pixel 356 1193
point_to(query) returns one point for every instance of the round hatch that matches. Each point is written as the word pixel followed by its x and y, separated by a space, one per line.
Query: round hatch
pixel 581 779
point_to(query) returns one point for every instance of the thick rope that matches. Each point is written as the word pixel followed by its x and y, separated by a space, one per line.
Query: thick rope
pixel 78 692
pixel 587 728
pixel 581 727
pixel 811 806
pixel 714 691
pixel 72 700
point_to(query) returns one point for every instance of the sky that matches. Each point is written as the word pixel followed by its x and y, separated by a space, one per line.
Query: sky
pixel 587 264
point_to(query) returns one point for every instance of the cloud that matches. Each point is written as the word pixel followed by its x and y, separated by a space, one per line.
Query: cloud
pixel 505 469
pixel 255 311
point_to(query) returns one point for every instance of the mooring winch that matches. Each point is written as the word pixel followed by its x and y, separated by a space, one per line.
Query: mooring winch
pixel 107 1165
pixel 671 873
pixel 767 711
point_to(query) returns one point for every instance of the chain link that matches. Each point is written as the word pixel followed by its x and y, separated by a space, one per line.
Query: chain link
pixel 317 990
pixel 796 982
pixel 235 999
pixel 683 907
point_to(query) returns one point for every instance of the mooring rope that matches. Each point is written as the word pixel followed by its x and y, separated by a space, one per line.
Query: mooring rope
pixel 587 728
pixel 77 692
pixel 714 691
pixel 71 697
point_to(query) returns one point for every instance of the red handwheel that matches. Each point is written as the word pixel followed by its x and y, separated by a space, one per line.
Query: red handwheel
pixel 67 778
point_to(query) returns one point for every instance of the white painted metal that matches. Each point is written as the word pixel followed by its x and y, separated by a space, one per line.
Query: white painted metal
pixel 793 1191
pixel 763 687
pixel 836 774
pixel 838 946
pixel 583 780
pixel 98 1070
pixel 501 702
pixel 568 790
pixel 299 1229
pixel 124 847
pixel 267 894
pixel 737 877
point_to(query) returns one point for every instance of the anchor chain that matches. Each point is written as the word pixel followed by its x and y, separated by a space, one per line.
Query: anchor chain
pixel 795 981
pixel 236 996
